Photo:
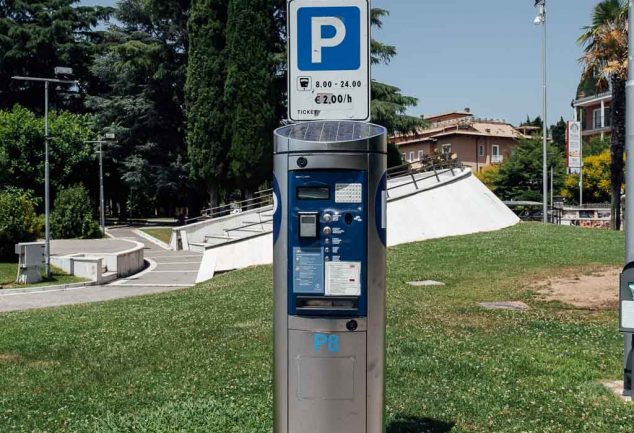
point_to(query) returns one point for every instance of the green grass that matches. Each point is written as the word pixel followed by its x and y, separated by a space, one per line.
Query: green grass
pixel 161 233
pixel 8 274
pixel 199 360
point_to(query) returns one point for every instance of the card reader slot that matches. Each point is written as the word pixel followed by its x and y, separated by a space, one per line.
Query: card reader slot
pixel 305 303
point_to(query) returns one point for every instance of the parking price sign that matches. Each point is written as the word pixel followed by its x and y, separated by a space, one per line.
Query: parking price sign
pixel 329 60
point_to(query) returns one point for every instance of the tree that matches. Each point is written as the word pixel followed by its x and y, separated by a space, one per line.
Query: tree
pixel 22 150
pixel 596 180
pixel 18 220
pixel 38 35
pixel 248 94
pixel 558 133
pixel 520 176
pixel 605 58
pixel 72 215
pixel 206 74
pixel 143 71
pixel 389 106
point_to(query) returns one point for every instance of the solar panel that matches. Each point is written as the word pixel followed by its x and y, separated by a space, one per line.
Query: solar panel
pixel 330 131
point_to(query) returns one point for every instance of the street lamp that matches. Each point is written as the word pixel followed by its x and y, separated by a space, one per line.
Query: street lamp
pixel 64 72
pixel 540 20
pixel 102 212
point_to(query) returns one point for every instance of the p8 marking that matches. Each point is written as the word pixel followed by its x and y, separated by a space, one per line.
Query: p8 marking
pixel 326 341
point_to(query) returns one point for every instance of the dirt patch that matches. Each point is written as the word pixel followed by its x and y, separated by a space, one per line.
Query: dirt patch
pixel 594 289
pixel 7 357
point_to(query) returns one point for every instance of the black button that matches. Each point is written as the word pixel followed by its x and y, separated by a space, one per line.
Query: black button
pixel 352 325
pixel 302 162
pixel 348 218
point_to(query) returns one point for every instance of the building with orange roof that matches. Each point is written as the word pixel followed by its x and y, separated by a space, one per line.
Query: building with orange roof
pixel 478 143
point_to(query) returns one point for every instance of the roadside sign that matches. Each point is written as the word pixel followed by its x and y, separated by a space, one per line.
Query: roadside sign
pixel 575 151
pixel 329 60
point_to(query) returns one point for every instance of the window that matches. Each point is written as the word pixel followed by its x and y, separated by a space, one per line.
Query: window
pixel 596 118
pixel 411 157
pixel 608 117
pixel 404 155
pixel 495 150
pixel 421 155
pixel 481 150
pixel 446 149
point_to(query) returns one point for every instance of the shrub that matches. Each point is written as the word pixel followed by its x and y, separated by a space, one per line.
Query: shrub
pixel 18 221
pixel 72 216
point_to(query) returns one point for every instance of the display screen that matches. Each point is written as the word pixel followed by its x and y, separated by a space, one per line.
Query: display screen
pixel 313 193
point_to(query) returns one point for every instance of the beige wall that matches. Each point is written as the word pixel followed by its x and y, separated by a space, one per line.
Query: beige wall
pixel 466 148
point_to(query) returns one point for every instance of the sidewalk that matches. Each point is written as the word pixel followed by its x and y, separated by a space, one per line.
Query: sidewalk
pixel 168 270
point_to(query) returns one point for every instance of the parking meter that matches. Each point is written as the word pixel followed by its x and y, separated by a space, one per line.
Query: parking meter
pixel 626 324
pixel 329 277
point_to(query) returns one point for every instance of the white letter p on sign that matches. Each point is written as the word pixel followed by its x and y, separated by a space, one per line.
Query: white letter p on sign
pixel 318 42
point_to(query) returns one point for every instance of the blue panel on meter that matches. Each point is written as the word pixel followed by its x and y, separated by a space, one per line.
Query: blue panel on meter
pixel 327 243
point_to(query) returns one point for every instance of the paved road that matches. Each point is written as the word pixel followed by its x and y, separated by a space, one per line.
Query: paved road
pixel 169 270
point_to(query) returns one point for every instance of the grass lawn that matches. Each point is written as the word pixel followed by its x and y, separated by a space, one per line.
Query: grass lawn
pixel 161 233
pixel 9 271
pixel 199 360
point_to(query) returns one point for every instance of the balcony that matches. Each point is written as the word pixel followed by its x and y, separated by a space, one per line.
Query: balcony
pixel 497 159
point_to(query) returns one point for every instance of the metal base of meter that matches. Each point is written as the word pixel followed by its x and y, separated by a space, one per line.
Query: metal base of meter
pixel 628 363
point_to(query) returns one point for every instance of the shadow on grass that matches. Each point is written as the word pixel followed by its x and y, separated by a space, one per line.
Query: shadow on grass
pixel 412 424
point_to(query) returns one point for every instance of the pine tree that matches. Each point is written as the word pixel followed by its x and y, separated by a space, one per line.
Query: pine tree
pixel 38 35
pixel 249 94
pixel 204 95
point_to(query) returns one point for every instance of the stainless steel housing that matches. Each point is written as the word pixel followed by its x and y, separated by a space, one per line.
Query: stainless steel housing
pixel 330 145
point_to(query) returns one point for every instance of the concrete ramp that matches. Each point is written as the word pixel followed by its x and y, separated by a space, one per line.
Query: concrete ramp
pixel 423 203
pixel 426 206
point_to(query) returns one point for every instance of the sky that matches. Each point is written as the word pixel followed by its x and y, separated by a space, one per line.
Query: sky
pixel 485 55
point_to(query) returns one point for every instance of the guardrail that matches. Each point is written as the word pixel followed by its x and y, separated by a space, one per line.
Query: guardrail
pixel 261 199
pixel 429 166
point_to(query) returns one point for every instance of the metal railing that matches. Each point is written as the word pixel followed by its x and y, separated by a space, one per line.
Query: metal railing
pixel 429 165
pixel 262 198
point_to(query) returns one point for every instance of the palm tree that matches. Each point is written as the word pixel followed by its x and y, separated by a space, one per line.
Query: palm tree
pixel 605 60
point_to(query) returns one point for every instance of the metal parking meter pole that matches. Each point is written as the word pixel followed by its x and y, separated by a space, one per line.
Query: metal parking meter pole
pixel 628 358
pixel 329 233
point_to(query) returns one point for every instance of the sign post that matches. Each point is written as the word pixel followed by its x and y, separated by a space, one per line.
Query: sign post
pixel 329 60
pixel 575 154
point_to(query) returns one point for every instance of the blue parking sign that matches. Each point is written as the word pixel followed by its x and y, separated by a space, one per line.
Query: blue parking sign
pixel 329 38
pixel 328 60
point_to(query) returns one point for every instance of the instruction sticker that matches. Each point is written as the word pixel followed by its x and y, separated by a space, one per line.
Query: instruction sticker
pixel 308 270
pixel 627 314
pixel 343 279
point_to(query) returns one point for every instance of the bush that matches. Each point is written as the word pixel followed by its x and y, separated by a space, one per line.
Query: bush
pixel 72 216
pixel 18 221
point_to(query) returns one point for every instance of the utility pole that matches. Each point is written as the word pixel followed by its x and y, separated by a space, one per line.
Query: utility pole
pixel 47 180
pixel 541 20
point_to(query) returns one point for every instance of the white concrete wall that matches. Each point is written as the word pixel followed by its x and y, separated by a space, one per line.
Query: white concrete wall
pixel 457 205
pixel 195 233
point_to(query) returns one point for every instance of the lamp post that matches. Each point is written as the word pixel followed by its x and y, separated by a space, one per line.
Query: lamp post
pixel 629 196
pixel 540 20
pixel 47 225
pixel 102 212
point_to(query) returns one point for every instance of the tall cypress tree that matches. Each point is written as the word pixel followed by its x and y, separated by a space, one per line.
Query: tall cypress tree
pixel 204 95
pixel 249 90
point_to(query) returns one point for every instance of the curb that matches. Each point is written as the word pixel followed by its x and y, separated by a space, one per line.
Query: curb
pixel 4 292
pixel 152 239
